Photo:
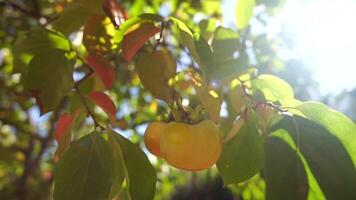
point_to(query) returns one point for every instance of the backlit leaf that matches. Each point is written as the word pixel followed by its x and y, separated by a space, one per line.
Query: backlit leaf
pixel 103 68
pixel 337 123
pixel 97 34
pixel 244 12
pixel 275 89
pixel 124 27
pixel 185 36
pixel 50 78
pixel 134 40
pixel 154 70
pixel 104 102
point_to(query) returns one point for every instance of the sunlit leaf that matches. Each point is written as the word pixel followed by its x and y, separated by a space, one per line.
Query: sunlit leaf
pixel 325 154
pixel 134 40
pixel 154 70
pixel 124 27
pixel 244 11
pixel 98 34
pixel 275 89
pixel 50 78
pixel 140 175
pixel 103 68
pixel 86 170
pixel 242 156
pixel 104 102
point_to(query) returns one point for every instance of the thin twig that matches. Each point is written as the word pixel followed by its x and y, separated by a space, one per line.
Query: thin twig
pixel 89 112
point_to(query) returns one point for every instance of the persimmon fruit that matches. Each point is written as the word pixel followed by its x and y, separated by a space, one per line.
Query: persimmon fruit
pixel 152 137
pixel 191 147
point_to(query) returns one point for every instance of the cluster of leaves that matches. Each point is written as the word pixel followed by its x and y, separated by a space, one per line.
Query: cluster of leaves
pixel 305 150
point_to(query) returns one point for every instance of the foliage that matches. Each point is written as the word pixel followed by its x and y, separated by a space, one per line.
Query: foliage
pixel 80 80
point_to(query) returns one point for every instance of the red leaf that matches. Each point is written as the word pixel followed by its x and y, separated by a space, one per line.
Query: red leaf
pixel 134 40
pixel 105 103
pixel 63 125
pixel 103 68
pixel 115 12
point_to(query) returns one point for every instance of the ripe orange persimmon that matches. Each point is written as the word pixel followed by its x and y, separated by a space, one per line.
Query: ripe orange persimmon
pixel 191 147
pixel 152 137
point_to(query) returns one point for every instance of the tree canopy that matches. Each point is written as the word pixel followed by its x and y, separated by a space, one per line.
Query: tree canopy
pixel 108 99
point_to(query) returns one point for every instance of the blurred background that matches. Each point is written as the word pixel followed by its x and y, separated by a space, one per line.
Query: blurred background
pixel 309 43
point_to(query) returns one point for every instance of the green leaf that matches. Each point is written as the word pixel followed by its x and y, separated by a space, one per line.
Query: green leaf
pixel 185 36
pixel 275 89
pixel 50 78
pixel 207 27
pixel 71 19
pixel 154 70
pixel 244 12
pixel 314 189
pixel 236 66
pixel 86 170
pixel 337 123
pixel 94 6
pixel 38 40
pixel 326 156
pixel 285 175
pixel 205 52
pixel 242 156
pixel 119 170
pixel 225 43
pixel 140 174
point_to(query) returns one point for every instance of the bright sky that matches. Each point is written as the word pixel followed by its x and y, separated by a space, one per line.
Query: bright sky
pixel 324 35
